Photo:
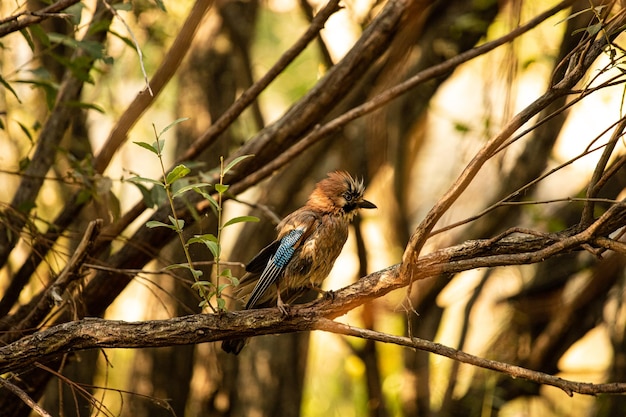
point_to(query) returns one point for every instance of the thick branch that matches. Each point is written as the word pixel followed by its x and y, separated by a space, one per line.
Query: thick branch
pixel 97 333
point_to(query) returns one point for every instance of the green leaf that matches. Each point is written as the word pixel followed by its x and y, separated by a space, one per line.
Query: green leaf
pixel 28 38
pixel 177 266
pixel 84 195
pixel 26 206
pixel 155 223
pixel 83 105
pixel 158 194
pixel 75 11
pixel 202 238
pixel 45 83
pixel 221 188
pixel 183 190
pixel 24 163
pixel 144 179
pixel 179 224
pixel 234 162
pixel 94 49
pixel 596 10
pixel 171 125
pixel 160 5
pixel 129 42
pixel 221 304
pixel 201 284
pixel 146 194
pixel 41 35
pixel 209 240
pixel 240 219
pixel 127 7
pixel 208 197
pixel 6 85
pixel 26 131
pixel 177 173
pixel 147 146
pixel 99 26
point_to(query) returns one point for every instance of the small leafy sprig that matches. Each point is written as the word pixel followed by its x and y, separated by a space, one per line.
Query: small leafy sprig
pixel 214 242
pixel 169 186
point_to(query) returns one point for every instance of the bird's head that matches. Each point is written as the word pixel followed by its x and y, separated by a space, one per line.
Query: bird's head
pixel 339 193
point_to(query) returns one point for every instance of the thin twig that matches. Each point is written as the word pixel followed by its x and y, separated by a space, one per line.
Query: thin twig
pixel 135 42
pixel 24 397
pixel 568 386
pixel 320 132
pixel 161 77
pixel 24 19
pixel 592 189
pixel 53 295
pixel 248 96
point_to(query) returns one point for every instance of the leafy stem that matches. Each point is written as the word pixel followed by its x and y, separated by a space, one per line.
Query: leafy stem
pixel 207 289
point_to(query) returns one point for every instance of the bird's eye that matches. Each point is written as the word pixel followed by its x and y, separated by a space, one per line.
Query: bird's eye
pixel 348 196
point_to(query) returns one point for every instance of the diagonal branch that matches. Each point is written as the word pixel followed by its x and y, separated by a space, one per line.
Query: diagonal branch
pixel 99 333
pixel 570 387
pixel 573 75
pixel 22 20
pixel 22 395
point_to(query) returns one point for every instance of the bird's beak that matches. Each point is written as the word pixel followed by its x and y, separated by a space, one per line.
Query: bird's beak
pixel 366 204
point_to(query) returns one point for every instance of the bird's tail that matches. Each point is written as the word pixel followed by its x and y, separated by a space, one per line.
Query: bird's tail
pixel 233 346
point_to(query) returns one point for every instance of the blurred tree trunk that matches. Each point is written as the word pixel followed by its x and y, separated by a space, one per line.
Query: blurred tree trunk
pixel 431 36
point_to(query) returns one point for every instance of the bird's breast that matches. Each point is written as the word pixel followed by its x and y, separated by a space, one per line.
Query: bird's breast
pixel 316 256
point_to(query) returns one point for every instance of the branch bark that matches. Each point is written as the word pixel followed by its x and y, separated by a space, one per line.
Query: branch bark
pixel 98 333
pixel 22 20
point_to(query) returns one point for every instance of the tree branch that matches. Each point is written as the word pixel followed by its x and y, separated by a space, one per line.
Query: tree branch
pixel 570 387
pixel 22 20
pixel 98 333
pixel 24 397
pixel 587 56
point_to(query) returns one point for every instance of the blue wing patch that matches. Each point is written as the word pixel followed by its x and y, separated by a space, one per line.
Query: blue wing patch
pixel 275 266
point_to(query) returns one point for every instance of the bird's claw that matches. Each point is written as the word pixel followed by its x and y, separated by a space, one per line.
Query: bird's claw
pixel 284 308
pixel 329 295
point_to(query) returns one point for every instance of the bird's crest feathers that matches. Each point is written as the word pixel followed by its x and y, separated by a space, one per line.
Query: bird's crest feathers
pixel 338 192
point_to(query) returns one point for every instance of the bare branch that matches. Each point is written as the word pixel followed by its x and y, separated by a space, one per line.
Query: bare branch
pixel 591 51
pixel 22 20
pixel 97 333
pixel 159 80
pixel 320 132
pixel 570 387
pixel 24 397
pixel 53 295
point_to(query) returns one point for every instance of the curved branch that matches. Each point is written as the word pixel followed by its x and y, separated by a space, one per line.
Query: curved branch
pixel 570 387
pixel 162 76
pixel 99 333
pixel 574 74
pixel 22 20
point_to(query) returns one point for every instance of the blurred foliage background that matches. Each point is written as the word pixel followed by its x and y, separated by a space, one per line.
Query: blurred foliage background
pixel 74 99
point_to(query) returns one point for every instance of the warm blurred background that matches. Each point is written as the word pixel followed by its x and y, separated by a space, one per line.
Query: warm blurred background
pixel 77 83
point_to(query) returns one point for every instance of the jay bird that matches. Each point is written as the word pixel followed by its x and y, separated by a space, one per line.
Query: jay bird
pixel 308 243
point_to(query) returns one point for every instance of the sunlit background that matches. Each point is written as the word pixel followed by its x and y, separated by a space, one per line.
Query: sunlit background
pixel 469 108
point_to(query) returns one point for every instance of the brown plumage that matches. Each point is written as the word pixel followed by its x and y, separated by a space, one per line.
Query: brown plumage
pixel 309 241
